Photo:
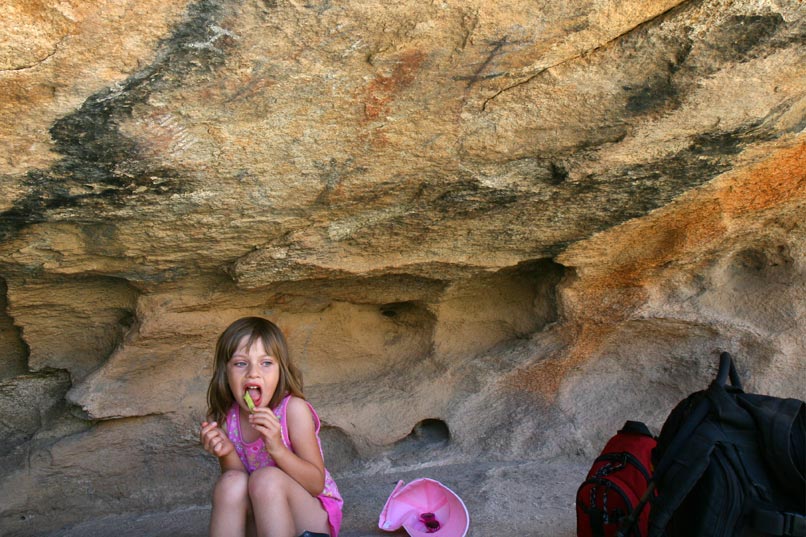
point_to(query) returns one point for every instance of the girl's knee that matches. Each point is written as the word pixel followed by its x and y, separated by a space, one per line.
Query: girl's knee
pixel 231 489
pixel 268 482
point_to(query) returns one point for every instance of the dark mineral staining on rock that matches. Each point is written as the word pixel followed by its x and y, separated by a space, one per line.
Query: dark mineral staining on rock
pixel 558 174
pixel 653 95
pixel 100 166
pixel 740 36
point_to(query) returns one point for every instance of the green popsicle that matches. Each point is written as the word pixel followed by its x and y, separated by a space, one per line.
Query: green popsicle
pixel 249 402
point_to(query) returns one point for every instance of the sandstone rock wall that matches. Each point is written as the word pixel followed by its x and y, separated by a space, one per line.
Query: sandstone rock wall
pixel 491 230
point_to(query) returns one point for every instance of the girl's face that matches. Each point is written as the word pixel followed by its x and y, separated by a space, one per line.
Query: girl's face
pixel 252 369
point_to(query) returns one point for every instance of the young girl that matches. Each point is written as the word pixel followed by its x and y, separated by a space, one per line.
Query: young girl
pixel 273 478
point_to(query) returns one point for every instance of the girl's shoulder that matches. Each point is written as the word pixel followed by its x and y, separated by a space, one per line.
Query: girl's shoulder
pixel 296 404
pixel 300 410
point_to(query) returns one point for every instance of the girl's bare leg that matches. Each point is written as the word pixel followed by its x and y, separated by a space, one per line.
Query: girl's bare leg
pixel 282 508
pixel 230 505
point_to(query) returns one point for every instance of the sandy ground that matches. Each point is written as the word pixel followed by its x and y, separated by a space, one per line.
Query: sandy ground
pixel 526 499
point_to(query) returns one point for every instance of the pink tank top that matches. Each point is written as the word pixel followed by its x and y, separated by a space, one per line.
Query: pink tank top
pixel 253 455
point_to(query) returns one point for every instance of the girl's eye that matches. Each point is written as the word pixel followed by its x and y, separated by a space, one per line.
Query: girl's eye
pixel 267 363
pixel 239 363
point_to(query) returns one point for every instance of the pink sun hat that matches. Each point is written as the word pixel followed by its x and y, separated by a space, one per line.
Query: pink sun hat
pixel 425 508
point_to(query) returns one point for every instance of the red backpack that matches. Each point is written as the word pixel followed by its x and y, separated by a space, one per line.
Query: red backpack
pixel 615 483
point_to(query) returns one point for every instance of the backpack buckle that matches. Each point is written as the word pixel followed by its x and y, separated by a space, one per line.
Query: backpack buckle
pixel 780 523
pixel 794 524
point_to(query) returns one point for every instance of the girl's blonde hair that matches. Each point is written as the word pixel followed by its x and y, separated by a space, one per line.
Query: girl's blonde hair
pixel 219 396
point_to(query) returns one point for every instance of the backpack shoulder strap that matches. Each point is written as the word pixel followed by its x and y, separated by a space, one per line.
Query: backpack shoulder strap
pixel 688 453
pixel 682 472
pixel 782 427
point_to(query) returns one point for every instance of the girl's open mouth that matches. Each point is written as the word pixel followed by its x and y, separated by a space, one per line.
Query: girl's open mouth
pixel 255 393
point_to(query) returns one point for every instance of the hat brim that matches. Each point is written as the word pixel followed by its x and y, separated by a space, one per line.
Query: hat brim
pixel 407 502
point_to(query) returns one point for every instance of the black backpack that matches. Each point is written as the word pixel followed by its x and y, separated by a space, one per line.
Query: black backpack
pixel 730 464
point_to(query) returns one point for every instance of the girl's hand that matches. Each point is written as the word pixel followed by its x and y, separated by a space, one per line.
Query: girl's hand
pixel 215 440
pixel 268 425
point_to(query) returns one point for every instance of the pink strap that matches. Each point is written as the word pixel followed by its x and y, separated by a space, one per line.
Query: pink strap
pixel 282 411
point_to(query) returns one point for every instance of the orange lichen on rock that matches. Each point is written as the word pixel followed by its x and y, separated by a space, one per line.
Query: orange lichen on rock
pixel 775 181
pixel 617 269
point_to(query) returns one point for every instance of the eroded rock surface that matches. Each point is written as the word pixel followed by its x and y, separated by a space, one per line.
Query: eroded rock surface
pixel 492 231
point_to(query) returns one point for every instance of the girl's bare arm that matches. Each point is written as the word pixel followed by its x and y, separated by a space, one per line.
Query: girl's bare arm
pixel 305 463
pixel 215 442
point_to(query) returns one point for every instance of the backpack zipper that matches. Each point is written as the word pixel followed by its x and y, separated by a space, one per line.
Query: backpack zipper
pixel 626 457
